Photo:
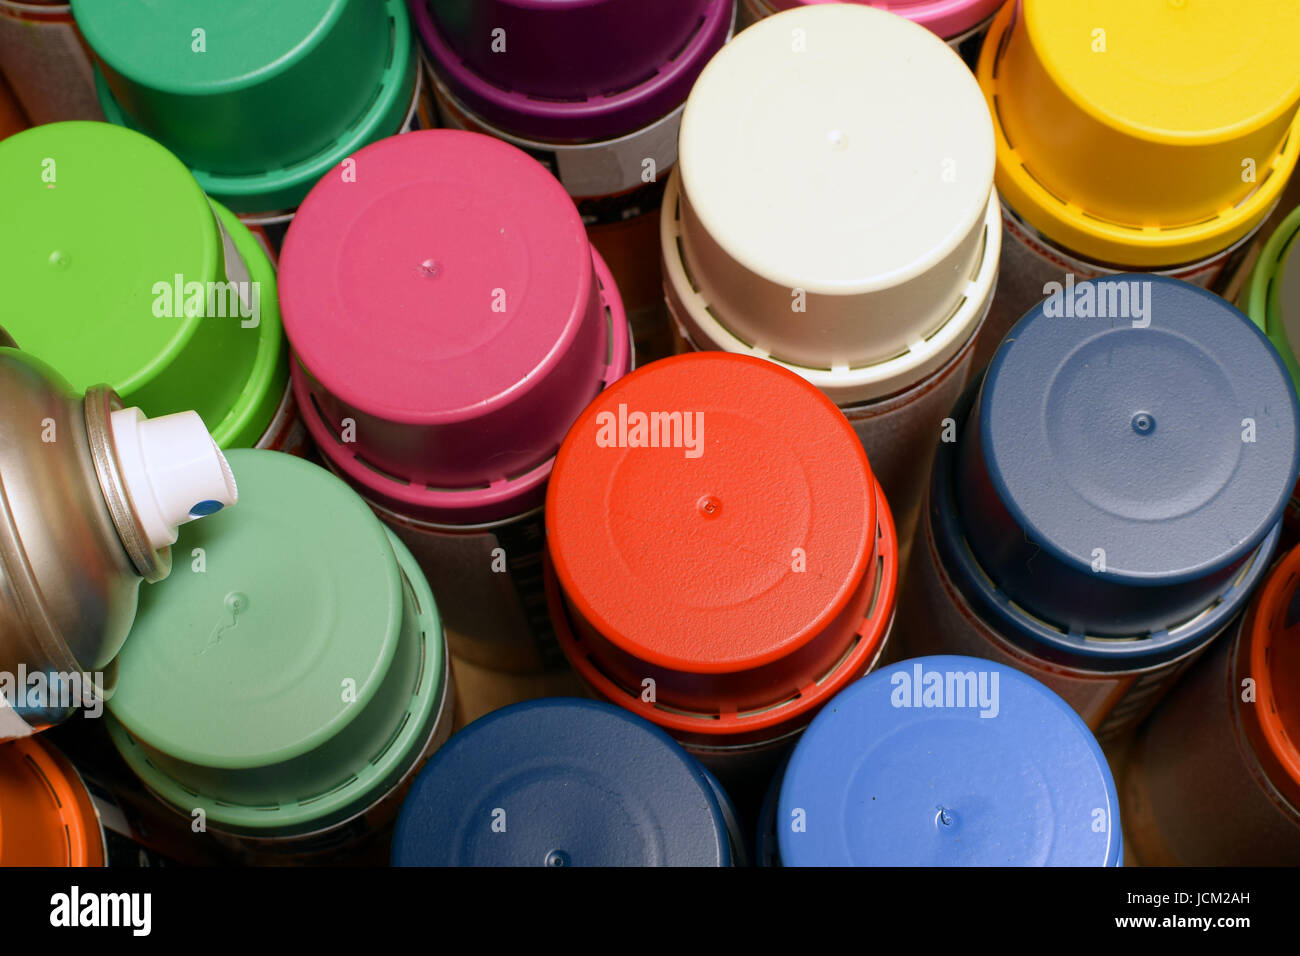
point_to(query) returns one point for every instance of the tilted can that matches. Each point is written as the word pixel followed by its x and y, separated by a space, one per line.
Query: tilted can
pixel 812 221
pixel 1106 498
pixel 962 24
pixel 1136 137
pixel 91 495
pixel 118 269
pixel 284 690
pixel 722 558
pixel 449 320
pixel 594 91
pixel 259 105
pixel 1213 778
pixel 564 782
pixel 43 56
pixel 946 761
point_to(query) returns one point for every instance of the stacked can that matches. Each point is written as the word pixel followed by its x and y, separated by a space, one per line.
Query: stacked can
pixel 1214 777
pixel 91 496
pixel 1103 504
pixel 564 782
pixel 46 814
pixel 945 761
pixel 450 320
pixel 813 222
pixel 284 689
pixel 605 123
pixel 961 23
pixel 44 58
pixel 723 558
pixel 1272 299
pixel 117 269
pixel 1136 137
pixel 259 107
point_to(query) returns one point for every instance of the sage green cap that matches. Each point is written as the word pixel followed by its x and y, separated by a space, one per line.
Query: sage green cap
pixel 292 673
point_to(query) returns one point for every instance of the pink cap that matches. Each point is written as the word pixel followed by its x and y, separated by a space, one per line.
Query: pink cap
pixel 438 289
pixel 947 18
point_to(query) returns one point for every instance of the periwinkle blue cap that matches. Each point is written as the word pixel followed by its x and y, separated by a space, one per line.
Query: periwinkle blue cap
pixel 1119 477
pixel 948 761
pixel 563 782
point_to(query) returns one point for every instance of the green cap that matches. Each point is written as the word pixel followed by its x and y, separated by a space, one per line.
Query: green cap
pixel 96 225
pixel 259 99
pixel 293 673
pixel 1272 295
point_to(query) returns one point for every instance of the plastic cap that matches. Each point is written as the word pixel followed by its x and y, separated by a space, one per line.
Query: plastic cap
pixel 256 104
pixel 947 18
pixel 115 266
pixel 1272 657
pixel 174 471
pixel 1144 134
pixel 46 815
pixel 819 222
pixel 948 761
pixel 714 525
pixel 1272 296
pixel 448 302
pixel 561 782
pixel 578 70
pixel 1134 443
pixel 296 678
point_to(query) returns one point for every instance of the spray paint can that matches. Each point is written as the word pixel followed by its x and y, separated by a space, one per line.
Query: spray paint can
pixel 947 761
pixel 283 692
pixel 605 124
pixel 821 227
pixel 553 783
pixel 44 58
pixel 310 86
pixel 1106 499
pixel 449 320
pixel 117 268
pixel 91 495
pixel 722 558
pixel 1214 776
pixel 1177 145
pixel 962 24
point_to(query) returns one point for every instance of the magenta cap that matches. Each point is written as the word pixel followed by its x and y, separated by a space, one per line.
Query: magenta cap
pixel 571 70
pixel 440 293
pixel 947 18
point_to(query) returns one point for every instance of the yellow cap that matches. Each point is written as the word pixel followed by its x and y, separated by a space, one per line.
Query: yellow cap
pixel 1143 133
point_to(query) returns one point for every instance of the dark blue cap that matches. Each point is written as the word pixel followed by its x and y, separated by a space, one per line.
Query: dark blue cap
pixel 948 761
pixel 1119 475
pixel 563 782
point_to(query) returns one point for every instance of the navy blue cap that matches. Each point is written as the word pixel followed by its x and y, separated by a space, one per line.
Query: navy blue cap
pixel 563 782
pixel 1120 476
pixel 908 767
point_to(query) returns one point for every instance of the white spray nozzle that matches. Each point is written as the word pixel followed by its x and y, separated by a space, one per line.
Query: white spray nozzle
pixel 172 469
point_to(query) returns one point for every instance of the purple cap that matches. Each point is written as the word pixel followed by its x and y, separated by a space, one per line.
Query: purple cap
pixel 571 70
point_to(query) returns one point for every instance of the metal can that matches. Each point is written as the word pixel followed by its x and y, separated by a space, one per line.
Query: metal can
pixel 448 426
pixel 12 118
pixel 1176 150
pixel 551 783
pixel 310 86
pixel 829 232
pixel 118 269
pixel 44 58
pixel 721 558
pixel 1106 498
pixel 1213 778
pixel 91 495
pixel 962 24
pixel 946 761
pixel 284 689
pixel 606 125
